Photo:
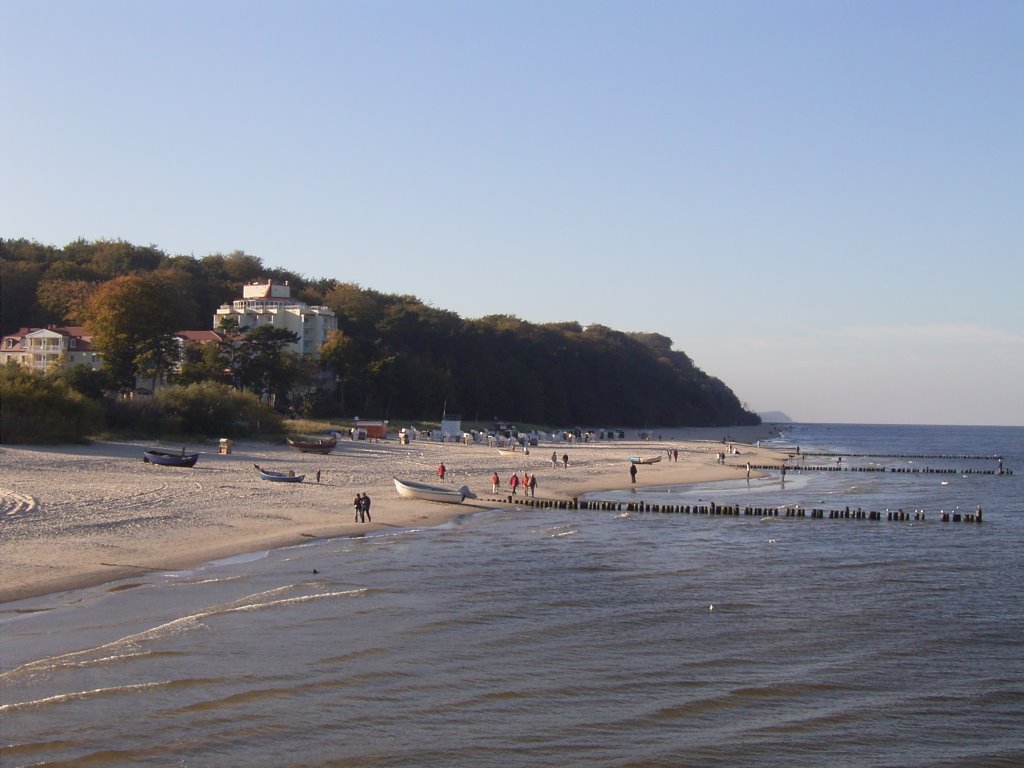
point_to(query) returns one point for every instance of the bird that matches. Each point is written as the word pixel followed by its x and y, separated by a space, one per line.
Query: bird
pixel 711 607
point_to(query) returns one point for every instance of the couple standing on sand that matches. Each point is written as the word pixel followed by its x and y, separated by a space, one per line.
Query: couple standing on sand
pixel 362 507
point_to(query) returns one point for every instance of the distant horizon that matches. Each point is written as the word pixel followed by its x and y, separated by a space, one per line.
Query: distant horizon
pixel 893 424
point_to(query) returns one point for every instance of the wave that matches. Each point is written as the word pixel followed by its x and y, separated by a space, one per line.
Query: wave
pixel 114 649
pixel 739 698
pixel 114 690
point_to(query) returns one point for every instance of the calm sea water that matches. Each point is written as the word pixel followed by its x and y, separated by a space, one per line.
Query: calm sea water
pixel 552 638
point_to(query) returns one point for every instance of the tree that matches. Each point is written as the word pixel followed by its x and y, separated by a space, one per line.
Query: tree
pixel 261 362
pixel 66 300
pixel 339 355
pixel 132 322
pixel 204 362
pixel 17 293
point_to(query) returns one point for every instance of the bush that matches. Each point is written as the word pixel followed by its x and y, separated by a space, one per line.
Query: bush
pixel 38 409
pixel 139 417
pixel 84 380
pixel 215 410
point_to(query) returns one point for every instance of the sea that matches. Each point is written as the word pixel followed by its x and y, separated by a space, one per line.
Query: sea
pixel 556 637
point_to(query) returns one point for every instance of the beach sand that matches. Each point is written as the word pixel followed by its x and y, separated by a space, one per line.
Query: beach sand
pixel 77 516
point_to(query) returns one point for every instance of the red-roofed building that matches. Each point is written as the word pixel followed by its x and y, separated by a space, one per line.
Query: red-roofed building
pixel 55 346
pixel 41 349
pixel 200 337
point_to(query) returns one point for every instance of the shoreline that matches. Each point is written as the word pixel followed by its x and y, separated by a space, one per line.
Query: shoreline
pixel 73 517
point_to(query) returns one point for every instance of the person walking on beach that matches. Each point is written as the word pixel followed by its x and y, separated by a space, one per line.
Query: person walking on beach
pixel 366 508
pixel 318 475
pixel 514 482
pixel 358 504
pixel 554 460
pixel 440 471
pixel 632 473
pixel 675 454
pixel 565 460
pixel 533 485
pixel 495 482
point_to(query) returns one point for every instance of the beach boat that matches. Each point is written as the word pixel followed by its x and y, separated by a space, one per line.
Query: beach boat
pixel 279 477
pixel 313 445
pixel 169 459
pixel 645 459
pixel 408 489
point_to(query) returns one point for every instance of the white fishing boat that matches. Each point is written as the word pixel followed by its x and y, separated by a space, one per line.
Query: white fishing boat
pixel 645 459
pixel 409 489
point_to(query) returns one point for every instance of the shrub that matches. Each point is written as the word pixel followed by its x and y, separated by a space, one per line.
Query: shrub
pixel 138 417
pixel 38 409
pixel 84 380
pixel 213 410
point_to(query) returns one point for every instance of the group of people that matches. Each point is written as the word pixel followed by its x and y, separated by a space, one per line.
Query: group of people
pixel 528 483
pixel 554 460
pixel 362 507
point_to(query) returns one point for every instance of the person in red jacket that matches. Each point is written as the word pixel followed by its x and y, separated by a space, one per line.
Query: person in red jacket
pixel 514 482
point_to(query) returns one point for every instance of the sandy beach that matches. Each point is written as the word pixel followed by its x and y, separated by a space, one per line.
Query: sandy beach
pixel 76 516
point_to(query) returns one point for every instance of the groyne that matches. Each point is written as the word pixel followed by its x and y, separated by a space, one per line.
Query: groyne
pixel 873 468
pixel 933 456
pixel 714 509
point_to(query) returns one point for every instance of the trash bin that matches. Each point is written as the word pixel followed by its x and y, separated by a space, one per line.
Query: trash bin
pixel 225 445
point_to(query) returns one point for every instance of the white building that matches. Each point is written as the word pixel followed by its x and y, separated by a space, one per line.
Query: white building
pixel 269 303
pixel 54 347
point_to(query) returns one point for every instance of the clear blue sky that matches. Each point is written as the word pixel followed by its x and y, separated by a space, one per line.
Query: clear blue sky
pixel 820 201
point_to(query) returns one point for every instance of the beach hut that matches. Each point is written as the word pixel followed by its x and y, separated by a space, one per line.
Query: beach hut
pixel 372 428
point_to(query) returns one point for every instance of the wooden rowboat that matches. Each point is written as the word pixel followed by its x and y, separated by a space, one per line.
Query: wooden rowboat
pixel 409 489
pixel 279 477
pixel 169 459
pixel 322 445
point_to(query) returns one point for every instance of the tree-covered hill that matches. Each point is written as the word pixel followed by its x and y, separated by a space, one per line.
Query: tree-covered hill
pixel 394 356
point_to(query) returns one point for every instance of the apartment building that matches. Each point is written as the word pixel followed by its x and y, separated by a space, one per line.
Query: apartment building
pixel 40 349
pixel 270 303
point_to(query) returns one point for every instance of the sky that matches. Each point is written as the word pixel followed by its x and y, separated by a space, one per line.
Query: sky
pixel 821 202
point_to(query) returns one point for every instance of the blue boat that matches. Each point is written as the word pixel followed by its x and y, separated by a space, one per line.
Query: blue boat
pixel 168 459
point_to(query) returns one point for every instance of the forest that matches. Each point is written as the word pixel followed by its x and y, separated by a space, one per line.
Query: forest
pixel 393 356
